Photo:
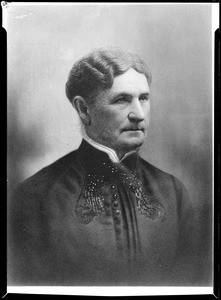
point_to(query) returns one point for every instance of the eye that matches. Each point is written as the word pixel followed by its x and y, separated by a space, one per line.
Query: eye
pixel 121 99
pixel 144 97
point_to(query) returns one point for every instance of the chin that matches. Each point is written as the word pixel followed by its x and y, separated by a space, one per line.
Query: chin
pixel 132 144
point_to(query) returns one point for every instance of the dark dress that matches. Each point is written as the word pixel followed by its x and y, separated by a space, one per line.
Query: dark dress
pixel 84 220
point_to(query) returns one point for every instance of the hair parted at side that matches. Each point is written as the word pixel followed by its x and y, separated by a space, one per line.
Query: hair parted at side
pixel 96 71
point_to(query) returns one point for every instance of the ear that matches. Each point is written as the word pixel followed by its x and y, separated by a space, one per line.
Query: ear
pixel 80 104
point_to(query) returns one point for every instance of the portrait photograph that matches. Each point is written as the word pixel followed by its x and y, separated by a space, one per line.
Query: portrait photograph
pixel 110 154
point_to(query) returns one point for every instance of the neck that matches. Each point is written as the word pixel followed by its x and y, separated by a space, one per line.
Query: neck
pixel 124 153
pixel 115 156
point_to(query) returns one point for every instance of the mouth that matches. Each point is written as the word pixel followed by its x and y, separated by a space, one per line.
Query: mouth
pixel 134 129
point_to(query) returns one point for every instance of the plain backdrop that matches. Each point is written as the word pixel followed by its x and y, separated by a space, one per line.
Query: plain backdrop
pixel 175 40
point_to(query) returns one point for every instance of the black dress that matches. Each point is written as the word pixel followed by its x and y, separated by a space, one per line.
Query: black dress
pixel 84 220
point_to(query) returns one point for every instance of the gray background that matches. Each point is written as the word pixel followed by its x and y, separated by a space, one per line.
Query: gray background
pixel 176 42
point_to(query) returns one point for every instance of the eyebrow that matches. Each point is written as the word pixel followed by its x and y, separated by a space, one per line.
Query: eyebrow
pixel 127 94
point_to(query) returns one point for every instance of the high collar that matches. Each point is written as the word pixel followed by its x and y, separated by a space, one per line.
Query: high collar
pixel 97 160
pixel 110 152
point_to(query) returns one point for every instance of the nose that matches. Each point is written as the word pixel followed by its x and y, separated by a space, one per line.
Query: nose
pixel 136 113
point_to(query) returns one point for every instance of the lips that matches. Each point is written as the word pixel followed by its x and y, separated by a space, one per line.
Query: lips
pixel 134 129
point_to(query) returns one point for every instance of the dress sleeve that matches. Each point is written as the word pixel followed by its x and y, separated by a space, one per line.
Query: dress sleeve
pixel 22 236
pixel 186 268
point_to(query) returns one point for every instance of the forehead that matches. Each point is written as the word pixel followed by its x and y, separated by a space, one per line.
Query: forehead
pixel 130 81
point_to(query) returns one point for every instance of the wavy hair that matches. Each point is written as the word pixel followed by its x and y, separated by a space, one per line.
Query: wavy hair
pixel 96 71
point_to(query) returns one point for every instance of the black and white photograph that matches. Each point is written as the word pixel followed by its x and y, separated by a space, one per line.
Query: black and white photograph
pixel 110 145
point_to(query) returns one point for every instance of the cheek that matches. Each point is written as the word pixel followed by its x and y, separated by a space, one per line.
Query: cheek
pixel 147 113
pixel 108 119
pixel 103 123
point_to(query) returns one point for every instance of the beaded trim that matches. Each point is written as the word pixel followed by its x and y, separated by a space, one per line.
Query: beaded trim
pixel 91 202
